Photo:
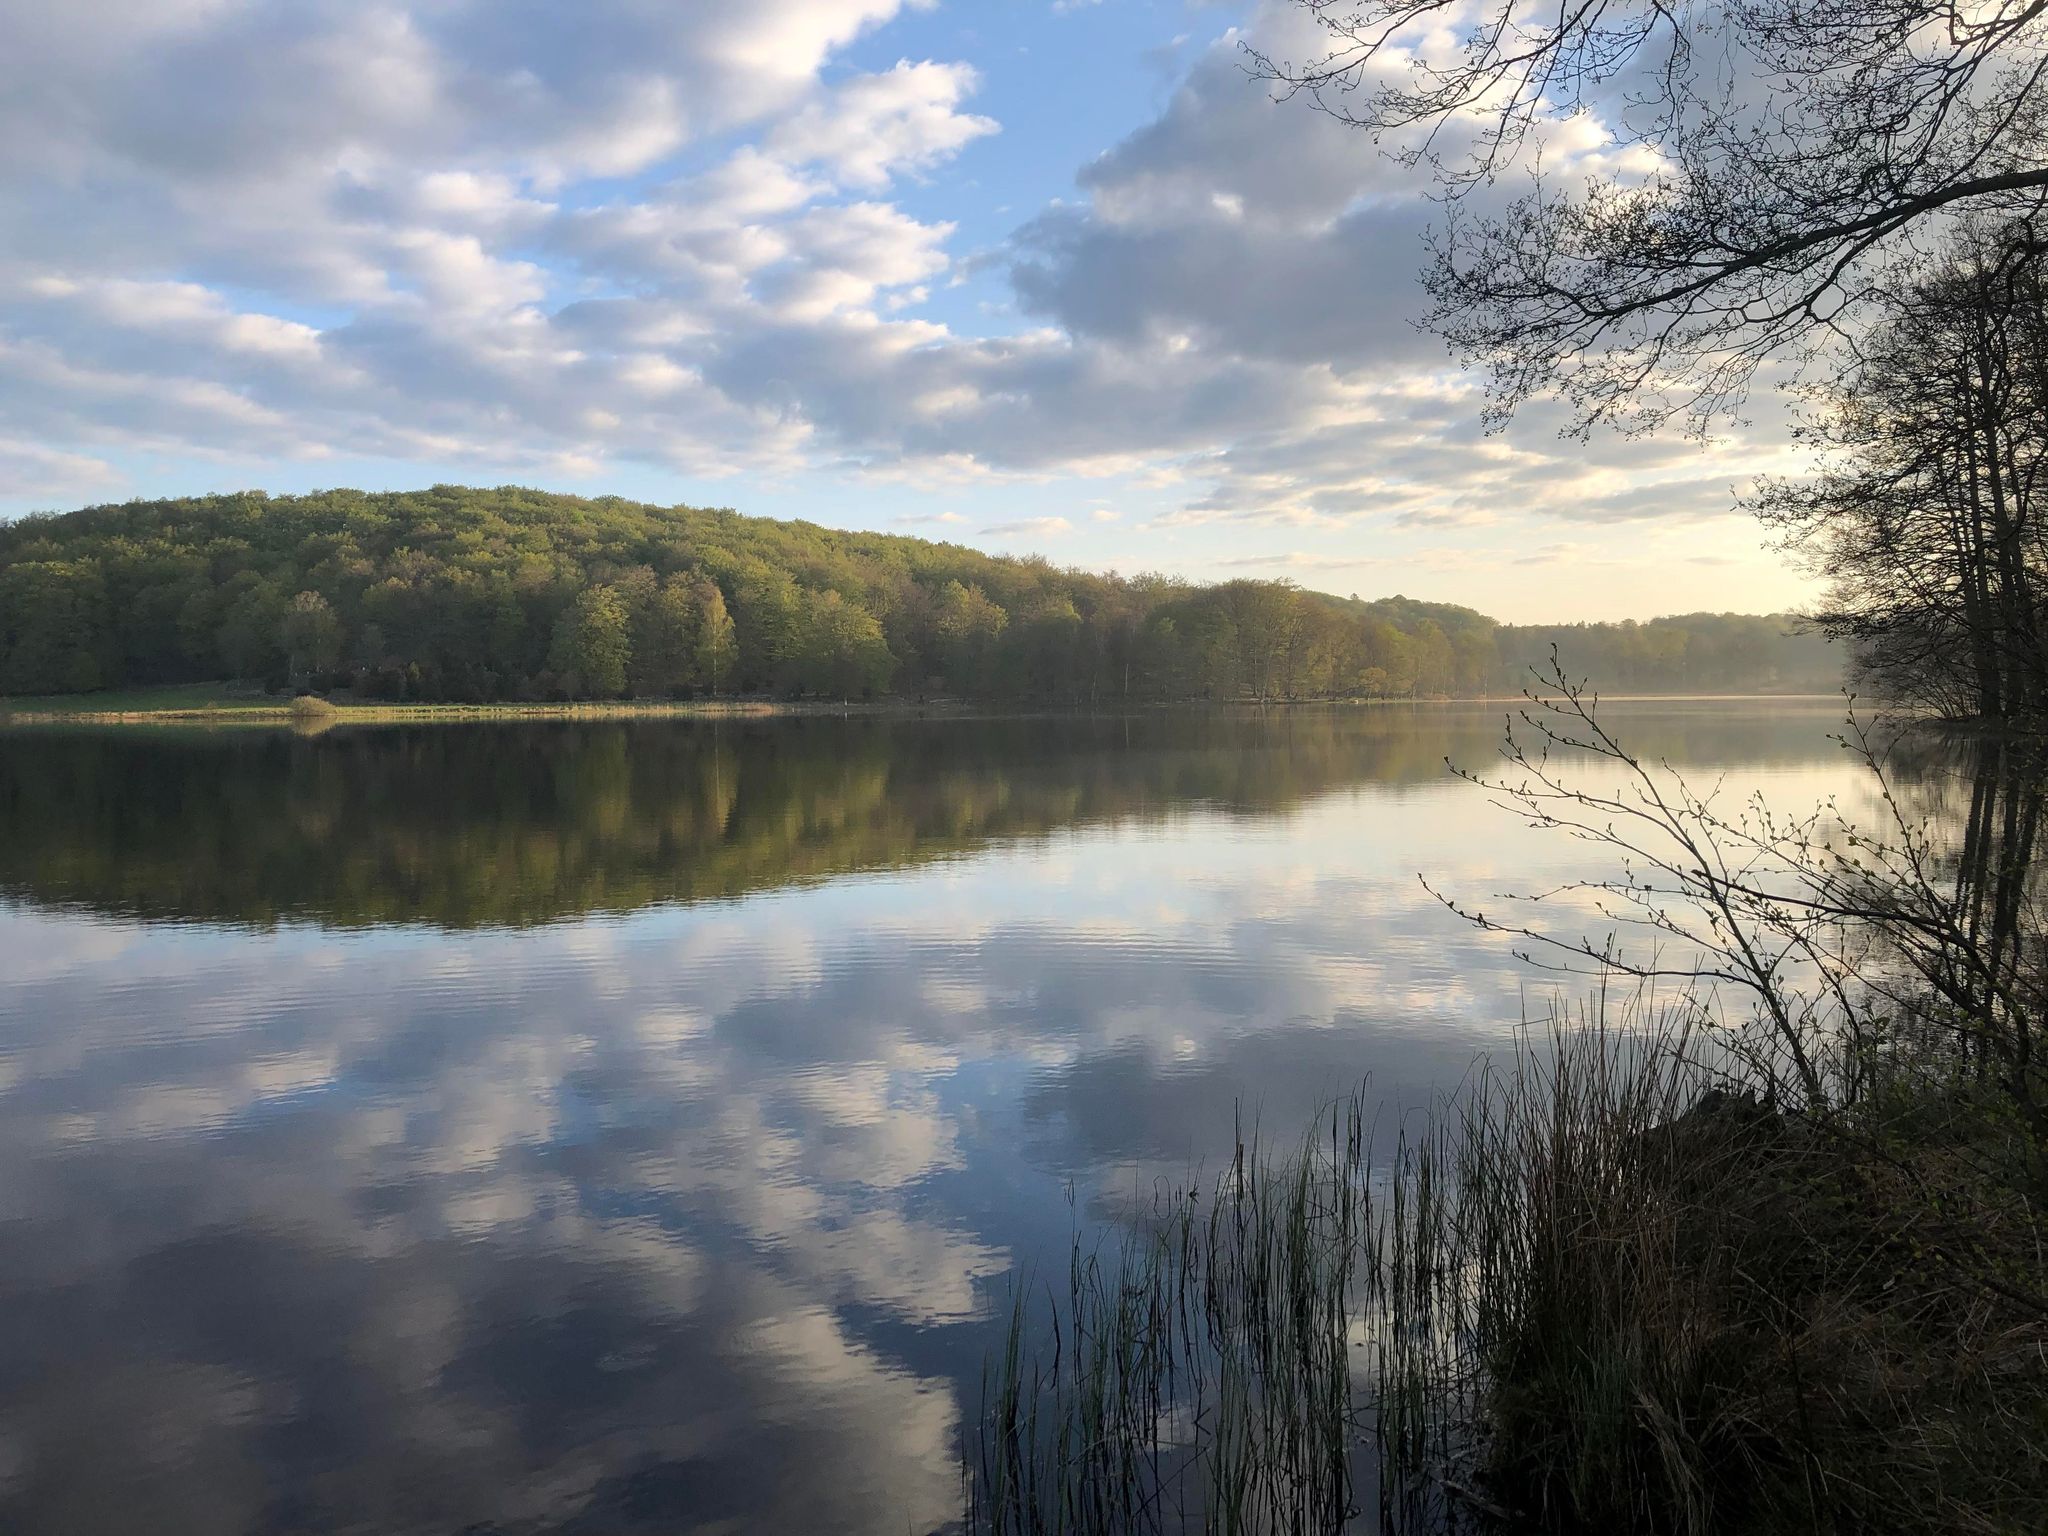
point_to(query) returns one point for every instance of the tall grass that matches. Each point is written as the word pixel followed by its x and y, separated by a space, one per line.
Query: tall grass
pixel 1498 1236
pixel 1200 1371
pixel 1606 1287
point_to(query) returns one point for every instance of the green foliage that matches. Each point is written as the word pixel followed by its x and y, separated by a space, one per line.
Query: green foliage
pixel 54 627
pixel 474 595
pixel 312 634
pixel 842 650
pixel 593 643
pixel 663 625
pixel 967 627
pixel 717 648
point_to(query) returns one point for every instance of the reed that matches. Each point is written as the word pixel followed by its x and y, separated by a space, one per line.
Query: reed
pixel 1607 1286
pixel 1197 1372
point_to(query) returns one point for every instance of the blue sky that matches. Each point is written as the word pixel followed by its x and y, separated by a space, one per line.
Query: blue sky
pixel 1051 277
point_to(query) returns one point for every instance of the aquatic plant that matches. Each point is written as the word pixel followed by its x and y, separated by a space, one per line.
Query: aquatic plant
pixel 1201 1368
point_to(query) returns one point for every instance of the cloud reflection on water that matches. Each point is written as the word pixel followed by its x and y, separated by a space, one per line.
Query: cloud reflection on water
pixel 682 1217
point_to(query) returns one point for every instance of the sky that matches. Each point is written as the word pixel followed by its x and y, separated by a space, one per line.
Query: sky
pixel 1050 276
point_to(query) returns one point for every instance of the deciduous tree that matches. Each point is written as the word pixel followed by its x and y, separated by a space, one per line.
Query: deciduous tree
pixel 1759 164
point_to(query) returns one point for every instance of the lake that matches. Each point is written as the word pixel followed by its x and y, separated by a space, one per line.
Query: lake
pixel 641 1127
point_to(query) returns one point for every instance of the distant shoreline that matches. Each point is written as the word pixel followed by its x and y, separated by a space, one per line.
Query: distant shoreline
pixel 272 714
pixel 205 704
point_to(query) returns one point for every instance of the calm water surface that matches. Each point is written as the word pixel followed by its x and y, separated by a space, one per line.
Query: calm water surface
pixel 617 1128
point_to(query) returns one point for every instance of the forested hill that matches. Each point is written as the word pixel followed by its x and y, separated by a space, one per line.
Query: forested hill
pixel 453 593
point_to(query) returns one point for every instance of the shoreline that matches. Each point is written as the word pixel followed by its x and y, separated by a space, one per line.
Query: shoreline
pixel 266 713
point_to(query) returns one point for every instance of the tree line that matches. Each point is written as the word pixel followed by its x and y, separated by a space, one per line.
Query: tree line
pixel 478 595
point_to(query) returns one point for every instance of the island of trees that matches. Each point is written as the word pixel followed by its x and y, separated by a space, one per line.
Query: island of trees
pixel 456 594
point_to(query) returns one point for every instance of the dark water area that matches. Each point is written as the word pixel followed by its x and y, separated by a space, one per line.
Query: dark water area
pixel 641 1127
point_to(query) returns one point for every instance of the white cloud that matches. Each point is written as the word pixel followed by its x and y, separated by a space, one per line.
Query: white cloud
pixel 36 473
pixel 1029 528
pixel 876 127
pixel 506 236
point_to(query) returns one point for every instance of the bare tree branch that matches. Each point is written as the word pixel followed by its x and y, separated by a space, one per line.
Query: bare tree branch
pixel 1767 163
